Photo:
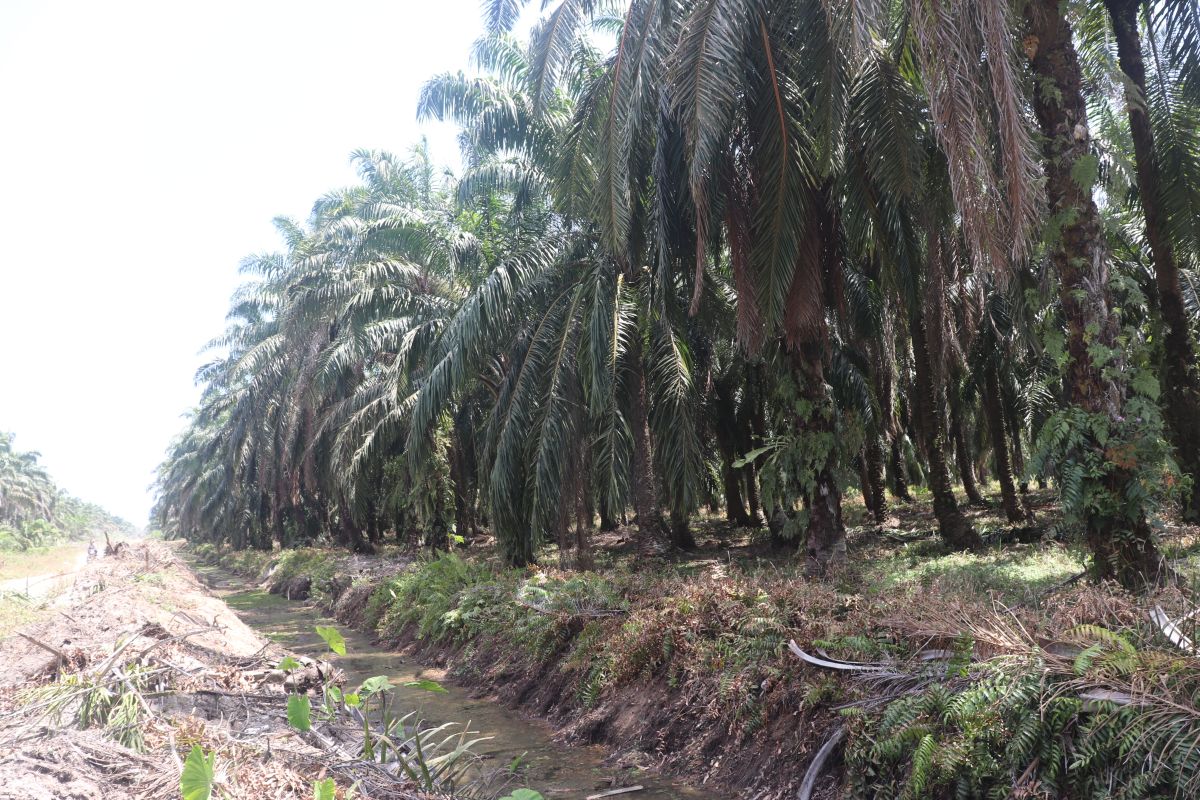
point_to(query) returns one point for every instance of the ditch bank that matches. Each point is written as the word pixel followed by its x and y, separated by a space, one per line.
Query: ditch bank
pixel 136 675
pixel 510 749
pixel 683 674
pixel 745 679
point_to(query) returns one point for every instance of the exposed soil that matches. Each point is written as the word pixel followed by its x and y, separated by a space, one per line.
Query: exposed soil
pixel 140 626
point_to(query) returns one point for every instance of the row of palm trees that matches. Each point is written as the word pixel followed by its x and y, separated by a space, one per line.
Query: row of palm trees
pixel 26 490
pixel 34 511
pixel 737 253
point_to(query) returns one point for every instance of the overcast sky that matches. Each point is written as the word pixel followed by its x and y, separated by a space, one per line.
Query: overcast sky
pixel 144 149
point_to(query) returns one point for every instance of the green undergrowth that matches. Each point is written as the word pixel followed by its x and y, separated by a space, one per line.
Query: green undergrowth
pixel 1017 573
pixel 720 638
pixel 708 638
pixel 279 567
pixel 14 612
pixel 1038 726
pixel 251 563
pixel 716 640
pixel 319 565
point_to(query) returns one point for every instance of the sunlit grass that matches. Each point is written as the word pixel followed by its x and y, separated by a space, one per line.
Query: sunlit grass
pixel 1015 573
pixel 38 561
pixel 14 612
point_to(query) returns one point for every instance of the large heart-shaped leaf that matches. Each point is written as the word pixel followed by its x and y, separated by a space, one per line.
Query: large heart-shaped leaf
pixel 299 712
pixel 333 638
pixel 523 794
pixel 196 782
pixel 375 685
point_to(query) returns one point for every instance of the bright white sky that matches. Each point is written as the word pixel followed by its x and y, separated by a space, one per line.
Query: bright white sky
pixel 144 149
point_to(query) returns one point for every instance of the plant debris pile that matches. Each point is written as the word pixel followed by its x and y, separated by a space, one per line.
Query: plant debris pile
pixel 137 674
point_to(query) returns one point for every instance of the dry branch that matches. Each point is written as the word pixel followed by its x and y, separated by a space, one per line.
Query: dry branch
pixel 57 653
pixel 839 665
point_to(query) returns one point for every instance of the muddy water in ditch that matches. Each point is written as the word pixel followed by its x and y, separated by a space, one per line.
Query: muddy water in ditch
pixel 554 769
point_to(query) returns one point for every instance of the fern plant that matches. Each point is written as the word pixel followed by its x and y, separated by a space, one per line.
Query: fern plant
pixel 1039 726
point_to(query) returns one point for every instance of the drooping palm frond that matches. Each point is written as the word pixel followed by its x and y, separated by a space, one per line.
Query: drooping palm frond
pixel 630 98
pixel 1177 23
pixel 998 209
pixel 674 417
pixel 500 15
pixel 551 46
pixel 467 339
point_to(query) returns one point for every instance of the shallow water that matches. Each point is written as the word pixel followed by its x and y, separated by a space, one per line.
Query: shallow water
pixel 552 768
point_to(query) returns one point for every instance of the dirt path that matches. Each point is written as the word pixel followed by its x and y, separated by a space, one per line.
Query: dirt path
pixel 37 587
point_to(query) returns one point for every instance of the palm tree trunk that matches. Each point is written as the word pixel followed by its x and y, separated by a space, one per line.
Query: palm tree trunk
pixel 995 422
pixel 826 534
pixel 901 476
pixel 1018 454
pixel 873 459
pixel 735 510
pixel 899 473
pixel 584 515
pixel 681 532
pixel 650 521
pixel 956 531
pixel 462 475
pixel 754 513
pixel 726 432
pixel 962 450
pixel 1117 533
pixel 278 528
pixel 873 473
pixel 351 534
pixel 374 533
pixel 754 430
pixel 864 483
pixel 1180 379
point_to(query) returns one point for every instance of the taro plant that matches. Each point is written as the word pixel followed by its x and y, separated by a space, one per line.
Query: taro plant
pixel 196 780
pixel 299 706
pixel 324 789
pixel 436 759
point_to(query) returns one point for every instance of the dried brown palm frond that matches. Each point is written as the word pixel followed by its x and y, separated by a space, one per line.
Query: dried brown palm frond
pixel 967 61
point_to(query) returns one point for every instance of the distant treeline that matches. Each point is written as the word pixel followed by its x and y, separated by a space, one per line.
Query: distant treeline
pixel 35 511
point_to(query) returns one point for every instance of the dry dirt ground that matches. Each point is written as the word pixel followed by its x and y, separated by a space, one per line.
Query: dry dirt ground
pixel 107 691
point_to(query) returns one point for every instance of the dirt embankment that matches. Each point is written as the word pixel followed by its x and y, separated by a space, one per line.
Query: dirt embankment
pixel 106 693
pixel 692 676
pixel 652 722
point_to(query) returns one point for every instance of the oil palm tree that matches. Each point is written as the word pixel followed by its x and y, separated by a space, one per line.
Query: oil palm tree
pixel 596 333
pixel 26 490
pixel 1104 493
pixel 1169 109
